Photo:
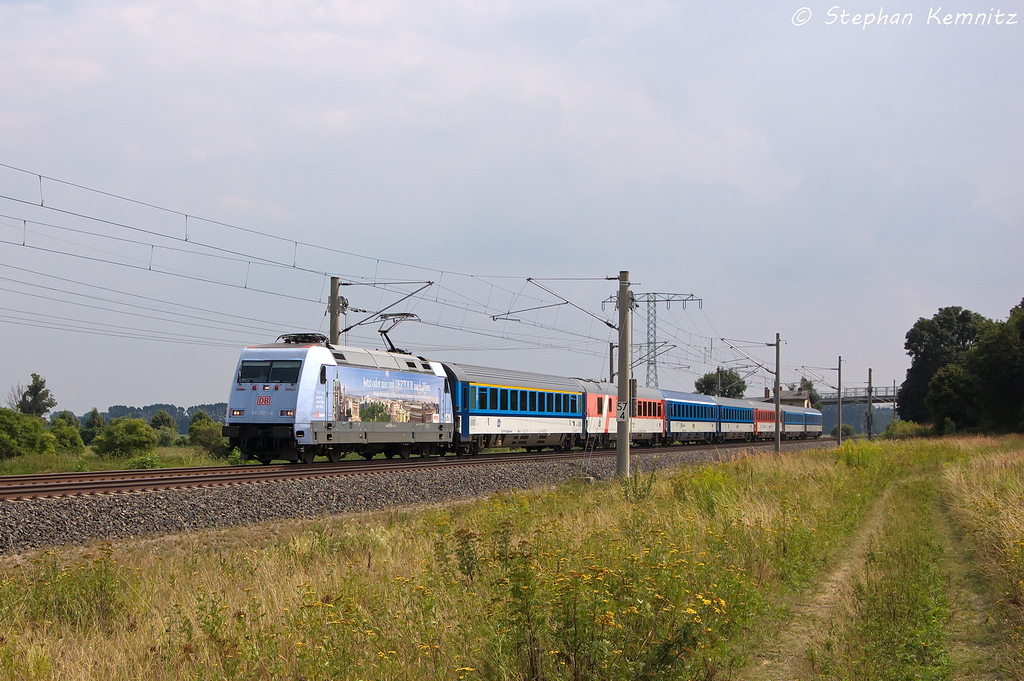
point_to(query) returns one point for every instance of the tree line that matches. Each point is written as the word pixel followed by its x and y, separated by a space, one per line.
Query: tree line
pixel 121 431
pixel 966 372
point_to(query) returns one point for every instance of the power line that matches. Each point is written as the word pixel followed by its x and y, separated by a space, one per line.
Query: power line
pixel 125 293
pixel 189 216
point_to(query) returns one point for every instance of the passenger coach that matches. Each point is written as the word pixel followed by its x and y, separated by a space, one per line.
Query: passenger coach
pixel 502 408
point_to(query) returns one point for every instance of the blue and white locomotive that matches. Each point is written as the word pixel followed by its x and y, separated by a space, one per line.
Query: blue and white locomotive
pixel 301 397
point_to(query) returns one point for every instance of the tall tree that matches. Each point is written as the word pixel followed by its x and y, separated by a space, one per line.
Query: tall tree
pixel 932 344
pixel 721 383
pixel 952 395
pixel 36 400
pixel 997 365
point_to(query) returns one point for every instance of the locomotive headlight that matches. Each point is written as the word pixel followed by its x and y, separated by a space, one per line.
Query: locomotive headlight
pixel 237 412
pixel 287 412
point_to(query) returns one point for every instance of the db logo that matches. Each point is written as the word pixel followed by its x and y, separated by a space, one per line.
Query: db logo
pixel 263 401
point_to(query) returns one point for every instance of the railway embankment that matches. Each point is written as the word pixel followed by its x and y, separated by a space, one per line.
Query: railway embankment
pixel 36 523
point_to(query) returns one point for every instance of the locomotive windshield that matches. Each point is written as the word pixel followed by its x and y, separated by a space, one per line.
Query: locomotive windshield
pixel 280 371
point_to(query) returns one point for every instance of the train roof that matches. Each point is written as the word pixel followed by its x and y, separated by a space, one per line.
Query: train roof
pixel 345 355
pixel 687 397
pixel 604 388
pixel 467 373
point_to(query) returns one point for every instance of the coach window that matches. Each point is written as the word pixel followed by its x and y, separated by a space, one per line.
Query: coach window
pixel 504 399
pixel 558 403
pixel 482 399
pixel 494 399
pixel 515 400
pixel 533 401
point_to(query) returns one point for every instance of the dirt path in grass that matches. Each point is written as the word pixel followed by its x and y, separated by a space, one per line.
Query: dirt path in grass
pixel 785 658
pixel 975 645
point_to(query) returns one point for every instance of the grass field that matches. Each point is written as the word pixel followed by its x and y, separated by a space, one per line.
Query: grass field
pixel 163 457
pixel 878 560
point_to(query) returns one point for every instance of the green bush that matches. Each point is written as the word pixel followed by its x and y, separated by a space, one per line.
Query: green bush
pixel 204 433
pixel 848 430
pixel 125 437
pixel 23 434
pixel 67 438
pixel 165 437
pixel 903 430
pixel 163 419
pixel 94 425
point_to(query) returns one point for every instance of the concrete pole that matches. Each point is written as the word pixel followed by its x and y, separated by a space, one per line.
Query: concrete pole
pixel 778 398
pixel 333 309
pixel 622 413
pixel 871 415
pixel 839 433
pixel 611 362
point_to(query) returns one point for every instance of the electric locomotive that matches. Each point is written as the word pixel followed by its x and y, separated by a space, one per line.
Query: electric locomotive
pixel 300 398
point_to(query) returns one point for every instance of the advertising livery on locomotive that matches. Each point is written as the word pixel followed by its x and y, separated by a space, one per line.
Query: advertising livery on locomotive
pixel 301 398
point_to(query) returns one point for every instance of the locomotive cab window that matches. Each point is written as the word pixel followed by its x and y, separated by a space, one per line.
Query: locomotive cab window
pixel 280 371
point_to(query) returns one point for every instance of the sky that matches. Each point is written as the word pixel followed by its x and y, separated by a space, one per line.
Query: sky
pixel 180 180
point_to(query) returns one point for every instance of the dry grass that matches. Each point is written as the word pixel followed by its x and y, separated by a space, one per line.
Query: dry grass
pixel 985 497
pixel 678 578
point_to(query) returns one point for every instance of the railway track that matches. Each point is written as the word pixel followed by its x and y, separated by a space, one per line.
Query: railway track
pixel 22 487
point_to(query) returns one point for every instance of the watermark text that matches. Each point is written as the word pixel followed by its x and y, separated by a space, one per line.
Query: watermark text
pixel 839 16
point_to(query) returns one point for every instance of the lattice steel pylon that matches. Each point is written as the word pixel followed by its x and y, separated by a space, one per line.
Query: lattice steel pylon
pixel 652 300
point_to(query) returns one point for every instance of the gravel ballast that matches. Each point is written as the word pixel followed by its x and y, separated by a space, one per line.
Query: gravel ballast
pixel 39 523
